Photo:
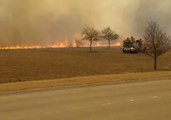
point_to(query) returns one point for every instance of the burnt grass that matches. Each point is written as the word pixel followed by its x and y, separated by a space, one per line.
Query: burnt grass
pixel 44 64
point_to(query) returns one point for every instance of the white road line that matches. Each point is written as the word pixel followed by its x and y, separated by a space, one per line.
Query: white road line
pixel 105 104
pixel 132 100
pixel 155 97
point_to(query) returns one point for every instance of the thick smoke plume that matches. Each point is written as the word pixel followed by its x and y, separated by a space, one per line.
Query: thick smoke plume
pixel 42 22
pixel 153 10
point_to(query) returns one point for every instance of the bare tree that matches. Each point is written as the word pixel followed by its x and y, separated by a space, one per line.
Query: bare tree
pixel 90 34
pixel 156 41
pixel 109 35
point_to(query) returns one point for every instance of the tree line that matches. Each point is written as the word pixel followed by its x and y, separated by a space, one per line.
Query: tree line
pixel 91 34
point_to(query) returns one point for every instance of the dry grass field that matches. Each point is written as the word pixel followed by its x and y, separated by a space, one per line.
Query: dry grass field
pixel 40 64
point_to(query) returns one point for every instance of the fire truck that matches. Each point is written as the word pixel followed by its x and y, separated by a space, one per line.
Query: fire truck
pixel 133 46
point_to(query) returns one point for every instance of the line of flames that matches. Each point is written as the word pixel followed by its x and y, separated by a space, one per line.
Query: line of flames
pixel 62 45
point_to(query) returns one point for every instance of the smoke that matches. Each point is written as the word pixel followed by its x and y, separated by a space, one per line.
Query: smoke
pixel 153 10
pixel 41 22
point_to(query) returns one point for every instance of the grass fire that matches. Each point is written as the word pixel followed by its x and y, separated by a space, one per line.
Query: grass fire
pixel 61 39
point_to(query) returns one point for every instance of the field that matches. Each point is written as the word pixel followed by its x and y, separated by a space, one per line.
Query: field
pixel 41 64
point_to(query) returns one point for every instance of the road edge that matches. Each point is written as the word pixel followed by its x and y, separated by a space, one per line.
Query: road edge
pixel 83 81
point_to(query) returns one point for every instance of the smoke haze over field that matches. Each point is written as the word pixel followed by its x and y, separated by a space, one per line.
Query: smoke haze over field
pixel 28 22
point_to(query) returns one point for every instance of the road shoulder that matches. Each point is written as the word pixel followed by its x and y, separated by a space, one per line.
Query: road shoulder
pixel 84 81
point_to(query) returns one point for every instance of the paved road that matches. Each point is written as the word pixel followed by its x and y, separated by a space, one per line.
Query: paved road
pixel 134 101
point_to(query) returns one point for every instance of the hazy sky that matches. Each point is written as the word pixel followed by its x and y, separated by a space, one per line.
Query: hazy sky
pixel 48 21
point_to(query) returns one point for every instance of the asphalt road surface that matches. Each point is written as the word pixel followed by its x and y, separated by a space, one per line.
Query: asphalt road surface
pixel 133 101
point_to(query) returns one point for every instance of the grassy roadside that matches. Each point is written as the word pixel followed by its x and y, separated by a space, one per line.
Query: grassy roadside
pixel 84 81
pixel 45 64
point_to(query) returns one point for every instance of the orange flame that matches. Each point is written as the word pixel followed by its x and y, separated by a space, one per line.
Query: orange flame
pixel 66 44
pixel 57 45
